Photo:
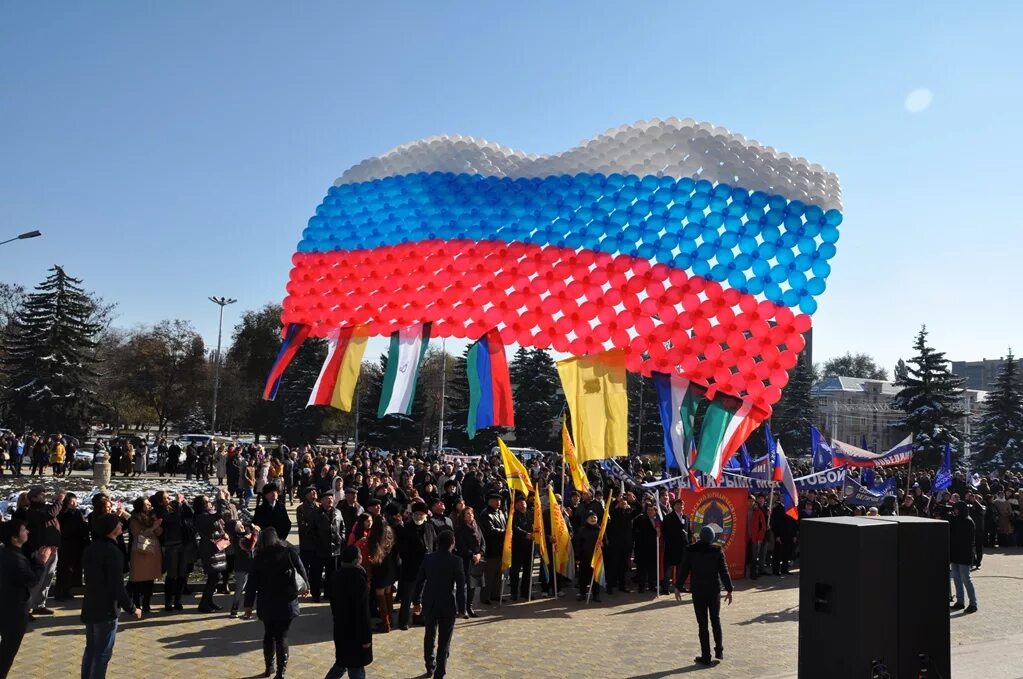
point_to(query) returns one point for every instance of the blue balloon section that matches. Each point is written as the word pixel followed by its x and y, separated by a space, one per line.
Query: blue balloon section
pixel 760 244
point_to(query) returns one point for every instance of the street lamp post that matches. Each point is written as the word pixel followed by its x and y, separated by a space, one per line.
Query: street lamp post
pixel 221 302
pixel 22 236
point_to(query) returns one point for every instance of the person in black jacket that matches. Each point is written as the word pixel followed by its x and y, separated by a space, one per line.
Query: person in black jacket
pixel 43 530
pixel 348 593
pixel 646 533
pixel 493 522
pixel 470 547
pixel 675 530
pixel 271 586
pixel 327 532
pixel 706 563
pixel 74 536
pixel 440 596
pixel 102 566
pixel 18 576
pixel 271 513
pixel 960 553
pixel 522 551
pixel 416 539
pixel 585 543
pixel 619 544
pixel 784 528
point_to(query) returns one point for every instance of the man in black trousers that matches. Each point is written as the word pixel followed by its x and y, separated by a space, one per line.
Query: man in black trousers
pixel 706 563
pixel 18 577
pixel 440 596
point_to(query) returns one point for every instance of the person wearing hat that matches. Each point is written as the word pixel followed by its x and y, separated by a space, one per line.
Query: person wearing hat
pixel 348 505
pixel 348 593
pixel 585 543
pixel 327 530
pixel 304 515
pixel 705 562
pixel 493 522
pixel 271 513
pixel 416 539
pixel 438 518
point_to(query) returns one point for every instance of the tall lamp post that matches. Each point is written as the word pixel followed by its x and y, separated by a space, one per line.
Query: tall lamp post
pixel 221 302
pixel 22 236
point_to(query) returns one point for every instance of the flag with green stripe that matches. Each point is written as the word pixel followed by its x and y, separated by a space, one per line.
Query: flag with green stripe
pixel 404 358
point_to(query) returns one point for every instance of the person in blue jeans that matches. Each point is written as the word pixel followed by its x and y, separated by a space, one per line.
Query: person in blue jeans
pixel 961 555
pixel 103 568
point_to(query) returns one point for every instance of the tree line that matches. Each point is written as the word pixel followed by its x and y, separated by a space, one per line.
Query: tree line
pixel 65 367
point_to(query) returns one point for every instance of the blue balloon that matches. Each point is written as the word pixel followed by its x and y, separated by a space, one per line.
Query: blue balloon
pixel 807 304
pixel 829 234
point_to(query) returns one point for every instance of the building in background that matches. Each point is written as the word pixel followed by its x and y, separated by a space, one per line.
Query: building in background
pixel 980 374
pixel 852 409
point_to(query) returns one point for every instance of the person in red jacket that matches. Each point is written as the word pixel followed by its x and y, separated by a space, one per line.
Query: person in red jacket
pixel 757 536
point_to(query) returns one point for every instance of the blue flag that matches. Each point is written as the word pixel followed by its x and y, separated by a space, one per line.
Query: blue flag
pixel 821 450
pixel 745 462
pixel 772 450
pixel 867 479
pixel 943 479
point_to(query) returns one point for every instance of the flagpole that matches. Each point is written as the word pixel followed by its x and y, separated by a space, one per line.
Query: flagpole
pixel 532 562
pixel 657 547
pixel 443 384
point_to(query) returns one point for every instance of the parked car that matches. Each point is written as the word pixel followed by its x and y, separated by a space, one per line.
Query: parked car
pixel 524 454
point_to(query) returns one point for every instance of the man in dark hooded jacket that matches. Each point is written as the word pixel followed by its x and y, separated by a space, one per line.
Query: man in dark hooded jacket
pixel 348 593
pixel 705 562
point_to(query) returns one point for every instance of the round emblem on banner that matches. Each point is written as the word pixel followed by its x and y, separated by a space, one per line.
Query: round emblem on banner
pixel 715 510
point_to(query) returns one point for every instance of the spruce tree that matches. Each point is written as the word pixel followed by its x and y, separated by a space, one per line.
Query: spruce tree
pixel 998 440
pixel 49 357
pixel 538 400
pixel 796 412
pixel 932 398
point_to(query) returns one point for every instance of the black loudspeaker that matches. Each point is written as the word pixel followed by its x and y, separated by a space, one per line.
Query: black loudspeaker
pixel 923 628
pixel 848 605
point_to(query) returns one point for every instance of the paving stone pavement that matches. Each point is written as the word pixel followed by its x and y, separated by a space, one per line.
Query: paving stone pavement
pixel 628 635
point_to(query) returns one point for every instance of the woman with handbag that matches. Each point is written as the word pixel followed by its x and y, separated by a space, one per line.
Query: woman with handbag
pixel 213 543
pixel 470 546
pixel 276 579
pixel 146 563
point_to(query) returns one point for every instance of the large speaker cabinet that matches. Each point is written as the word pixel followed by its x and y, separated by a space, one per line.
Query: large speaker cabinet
pixel 873 597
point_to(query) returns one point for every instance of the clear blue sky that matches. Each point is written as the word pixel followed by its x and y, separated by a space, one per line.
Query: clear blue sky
pixel 171 151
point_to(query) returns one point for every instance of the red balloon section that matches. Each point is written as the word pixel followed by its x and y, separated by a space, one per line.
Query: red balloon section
pixel 579 302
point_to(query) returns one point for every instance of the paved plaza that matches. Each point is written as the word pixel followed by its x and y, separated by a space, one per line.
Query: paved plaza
pixel 626 636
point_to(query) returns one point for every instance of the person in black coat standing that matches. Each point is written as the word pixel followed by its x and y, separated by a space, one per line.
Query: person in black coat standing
pixel 102 566
pixel 706 563
pixel 784 528
pixel 271 586
pixel 416 539
pixel 960 551
pixel 18 576
pixel 440 596
pixel 271 513
pixel 675 529
pixel 348 593
pixel 619 544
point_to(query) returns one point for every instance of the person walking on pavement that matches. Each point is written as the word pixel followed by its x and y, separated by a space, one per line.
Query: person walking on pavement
pixel 102 566
pixel 348 593
pixel 19 575
pixel 440 597
pixel 705 562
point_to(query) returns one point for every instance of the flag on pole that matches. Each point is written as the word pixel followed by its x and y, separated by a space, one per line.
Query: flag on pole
pixel 514 473
pixel 291 339
pixel 727 423
pixel 506 551
pixel 579 479
pixel 867 477
pixel 490 390
pixel 787 483
pixel 539 538
pixel 943 479
pixel 745 461
pixel 820 449
pixel 595 390
pixel 597 562
pixel 408 347
pixel 336 384
pixel 560 538
pixel 677 400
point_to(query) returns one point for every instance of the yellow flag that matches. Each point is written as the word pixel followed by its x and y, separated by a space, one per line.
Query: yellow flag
pixel 539 539
pixel 598 553
pixel 507 550
pixel 514 473
pixel 595 390
pixel 562 541
pixel 579 479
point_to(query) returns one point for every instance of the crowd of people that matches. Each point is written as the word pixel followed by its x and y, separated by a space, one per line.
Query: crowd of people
pixel 365 523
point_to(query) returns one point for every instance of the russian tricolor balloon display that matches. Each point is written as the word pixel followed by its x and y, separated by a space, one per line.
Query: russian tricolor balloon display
pixel 692 249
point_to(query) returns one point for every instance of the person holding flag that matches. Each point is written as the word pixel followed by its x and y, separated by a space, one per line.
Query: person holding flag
pixel 589 546
pixel 540 540
pixel 561 541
